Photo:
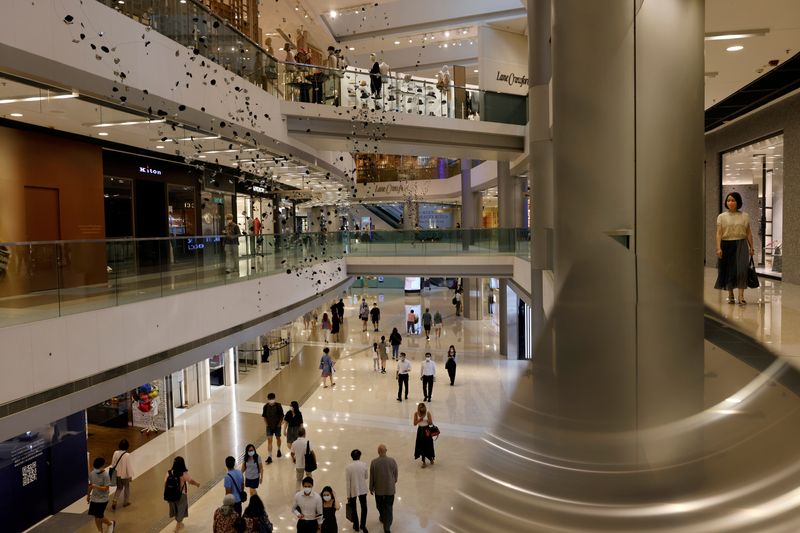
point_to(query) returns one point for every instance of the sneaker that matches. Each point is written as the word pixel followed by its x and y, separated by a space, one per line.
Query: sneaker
pixel 111 527
pixel 279 454
pixel 269 460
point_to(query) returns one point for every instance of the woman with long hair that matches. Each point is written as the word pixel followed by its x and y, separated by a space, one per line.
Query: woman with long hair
pixel 450 365
pixel 255 516
pixel 179 509
pixel 329 508
pixel 252 469
pixel 325 325
pixel 294 421
pixel 424 444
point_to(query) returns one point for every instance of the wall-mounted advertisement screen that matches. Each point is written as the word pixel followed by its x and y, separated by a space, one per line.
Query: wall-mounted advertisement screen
pixel 413 284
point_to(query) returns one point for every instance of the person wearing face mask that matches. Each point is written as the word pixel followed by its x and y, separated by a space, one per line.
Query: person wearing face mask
pixel 252 469
pixel 307 507
pixel 403 370
pixel 273 417
pixel 329 508
pixel 428 376
pixel 97 495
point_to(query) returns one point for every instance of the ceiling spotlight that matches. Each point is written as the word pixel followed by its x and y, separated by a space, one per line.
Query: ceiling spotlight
pixel 397 42
pixel 333 14
pixel 352 48
pixel 475 71
pixel 410 41
pixel 160 146
pixel 464 32
pixel 735 48
pixel 16 114
pixel 445 45
pixel 447 34
pixel 103 134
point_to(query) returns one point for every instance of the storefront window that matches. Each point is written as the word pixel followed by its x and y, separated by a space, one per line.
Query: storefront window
pixel 181 210
pixel 756 172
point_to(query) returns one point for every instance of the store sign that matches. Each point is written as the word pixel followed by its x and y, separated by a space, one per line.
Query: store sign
pixel 512 79
pixel 256 188
pixel 388 188
pixel 147 170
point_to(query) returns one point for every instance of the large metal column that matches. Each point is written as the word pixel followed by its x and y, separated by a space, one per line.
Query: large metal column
pixel 627 152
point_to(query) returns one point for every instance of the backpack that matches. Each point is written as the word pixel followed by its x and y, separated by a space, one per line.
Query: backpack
pixel 172 488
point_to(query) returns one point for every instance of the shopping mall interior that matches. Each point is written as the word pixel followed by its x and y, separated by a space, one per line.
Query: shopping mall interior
pixel 206 202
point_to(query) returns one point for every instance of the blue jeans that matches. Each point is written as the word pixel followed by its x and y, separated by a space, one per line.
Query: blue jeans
pixel 395 351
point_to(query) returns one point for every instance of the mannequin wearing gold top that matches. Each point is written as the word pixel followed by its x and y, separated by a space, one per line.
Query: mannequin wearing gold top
pixel 734 248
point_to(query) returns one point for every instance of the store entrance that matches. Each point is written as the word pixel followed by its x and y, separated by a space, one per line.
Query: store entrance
pixel 42 223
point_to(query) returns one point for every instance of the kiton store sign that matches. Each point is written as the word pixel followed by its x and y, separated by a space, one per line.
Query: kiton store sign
pixel 148 170
pixel 512 79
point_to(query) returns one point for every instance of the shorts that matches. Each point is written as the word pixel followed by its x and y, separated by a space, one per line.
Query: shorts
pixel 274 432
pixel 251 483
pixel 97 509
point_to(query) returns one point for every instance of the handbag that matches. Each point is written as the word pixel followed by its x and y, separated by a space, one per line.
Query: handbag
pixel 432 431
pixel 348 510
pixel 752 276
pixel 310 458
pixel 112 472
pixel 242 493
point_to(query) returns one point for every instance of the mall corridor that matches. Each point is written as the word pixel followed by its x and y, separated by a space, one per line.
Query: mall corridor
pixel 360 412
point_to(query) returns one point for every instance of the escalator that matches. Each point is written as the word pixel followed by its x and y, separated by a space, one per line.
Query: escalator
pixel 391 214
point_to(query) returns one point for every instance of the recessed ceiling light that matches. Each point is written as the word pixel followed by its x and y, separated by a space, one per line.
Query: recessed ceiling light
pixel 735 48
pixel 445 45
pixel 352 48
pixel 160 146
pixel 728 36
pixel 333 14
pixel 127 123
pixel 475 71
pixel 16 114
pixel 447 34
pixel 397 42
pixel 103 134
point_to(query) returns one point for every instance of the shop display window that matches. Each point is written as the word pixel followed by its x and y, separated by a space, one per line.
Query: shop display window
pixel 756 172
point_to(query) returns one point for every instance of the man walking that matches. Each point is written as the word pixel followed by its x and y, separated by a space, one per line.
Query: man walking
pixel 382 481
pixel 427 321
pixel 234 483
pixel 298 450
pixel 375 315
pixel 411 319
pixel 357 476
pixel 403 369
pixel 428 372
pixel 273 417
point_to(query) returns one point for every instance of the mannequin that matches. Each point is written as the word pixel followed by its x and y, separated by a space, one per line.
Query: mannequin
pixel 443 84
pixel 302 38
pixel 268 46
pixel 375 76
pixel 287 49
pixel 332 62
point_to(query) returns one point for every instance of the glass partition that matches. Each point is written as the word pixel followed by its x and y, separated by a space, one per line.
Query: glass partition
pixel 50 279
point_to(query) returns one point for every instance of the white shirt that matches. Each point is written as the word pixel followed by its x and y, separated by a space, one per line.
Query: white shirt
pixel 310 506
pixel 124 468
pixel 357 475
pixel 403 367
pixel 428 368
pixel 299 451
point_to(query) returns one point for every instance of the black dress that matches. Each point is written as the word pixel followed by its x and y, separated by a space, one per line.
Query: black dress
pixel 424 445
pixel 329 524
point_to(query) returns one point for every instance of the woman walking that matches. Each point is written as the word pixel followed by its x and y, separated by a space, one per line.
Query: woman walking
pixel 179 509
pixel 734 248
pixel 450 365
pixel 255 516
pixel 325 325
pixel 424 444
pixel 395 340
pixel 437 324
pixel 336 323
pixel 294 421
pixel 252 468
pixel 329 508
pixel 382 354
pixel 326 364
pixel 121 462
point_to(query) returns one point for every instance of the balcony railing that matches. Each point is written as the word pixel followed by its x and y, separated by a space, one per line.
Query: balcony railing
pixel 56 278
pixel 193 25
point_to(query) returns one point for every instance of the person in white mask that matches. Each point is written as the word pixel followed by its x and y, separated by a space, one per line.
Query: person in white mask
pixel 428 376
pixel 307 507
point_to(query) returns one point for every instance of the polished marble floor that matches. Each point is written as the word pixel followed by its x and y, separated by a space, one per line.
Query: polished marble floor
pixel 360 412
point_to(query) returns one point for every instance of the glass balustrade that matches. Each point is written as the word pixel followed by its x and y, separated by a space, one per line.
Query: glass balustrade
pixel 192 24
pixel 51 279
